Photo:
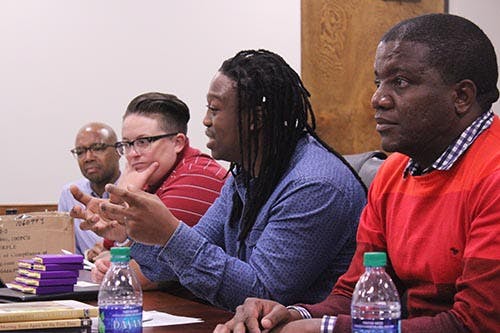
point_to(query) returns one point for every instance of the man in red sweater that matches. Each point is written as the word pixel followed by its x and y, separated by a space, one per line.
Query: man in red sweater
pixel 434 205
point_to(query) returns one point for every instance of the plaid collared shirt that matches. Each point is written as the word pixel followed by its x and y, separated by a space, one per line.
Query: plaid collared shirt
pixel 455 149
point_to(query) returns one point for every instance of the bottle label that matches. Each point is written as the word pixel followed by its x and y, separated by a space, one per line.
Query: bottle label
pixel 375 326
pixel 120 319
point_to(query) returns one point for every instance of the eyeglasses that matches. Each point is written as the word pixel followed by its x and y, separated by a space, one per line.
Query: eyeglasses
pixel 140 145
pixel 95 148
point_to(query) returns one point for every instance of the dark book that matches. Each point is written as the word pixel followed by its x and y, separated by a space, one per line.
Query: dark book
pixel 83 329
pixel 57 325
pixel 45 282
pixel 47 274
pixel 57 267
pixel 58 259
pixel 81 293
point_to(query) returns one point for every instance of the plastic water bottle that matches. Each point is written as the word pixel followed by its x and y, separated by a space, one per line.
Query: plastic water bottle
pixel 120 296
pixel 375 306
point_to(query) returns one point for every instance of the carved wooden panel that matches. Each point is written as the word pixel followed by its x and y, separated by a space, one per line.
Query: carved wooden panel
pixel 339 39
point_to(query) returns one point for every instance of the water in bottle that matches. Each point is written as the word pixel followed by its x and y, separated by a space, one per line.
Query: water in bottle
pixel 375 306
pixel 120 296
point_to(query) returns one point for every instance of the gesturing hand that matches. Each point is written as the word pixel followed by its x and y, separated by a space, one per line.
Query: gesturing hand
pixel 144 215
pixel 138 179
pixel 92 217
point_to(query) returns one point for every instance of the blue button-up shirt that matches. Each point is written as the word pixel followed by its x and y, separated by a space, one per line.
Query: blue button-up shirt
pixel 302 241
pixel 84 239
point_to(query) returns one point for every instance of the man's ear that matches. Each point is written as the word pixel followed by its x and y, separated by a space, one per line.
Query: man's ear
pixel 465 97
pixel 180 142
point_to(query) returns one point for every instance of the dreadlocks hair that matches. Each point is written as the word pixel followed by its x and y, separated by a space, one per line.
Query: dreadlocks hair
pixel 172 113
pixel 458 49
pixel 272 99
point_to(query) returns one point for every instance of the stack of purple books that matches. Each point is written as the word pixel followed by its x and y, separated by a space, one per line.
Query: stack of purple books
pixel 48 274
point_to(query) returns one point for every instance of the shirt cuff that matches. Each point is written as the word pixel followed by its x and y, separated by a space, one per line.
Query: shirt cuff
pixel 327 324
pixel 86 255
pixel 302 311
pixel 126 242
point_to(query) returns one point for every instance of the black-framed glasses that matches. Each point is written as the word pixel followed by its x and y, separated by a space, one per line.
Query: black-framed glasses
pixel 95 148
pixel 141 144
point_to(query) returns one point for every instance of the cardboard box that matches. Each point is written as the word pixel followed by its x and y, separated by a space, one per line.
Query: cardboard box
pixel 27 235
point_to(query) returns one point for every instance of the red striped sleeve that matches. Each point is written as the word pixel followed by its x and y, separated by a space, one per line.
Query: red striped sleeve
pixel 192 186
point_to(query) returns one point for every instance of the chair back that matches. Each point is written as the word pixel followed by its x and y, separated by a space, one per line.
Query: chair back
pixel 366 164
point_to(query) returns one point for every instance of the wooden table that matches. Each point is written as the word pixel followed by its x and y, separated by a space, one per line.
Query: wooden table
pixel 165 302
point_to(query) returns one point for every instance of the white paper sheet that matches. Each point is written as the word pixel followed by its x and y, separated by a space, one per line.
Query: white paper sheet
pixel 164 319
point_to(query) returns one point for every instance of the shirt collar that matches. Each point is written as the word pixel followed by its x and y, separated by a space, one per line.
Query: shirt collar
pixel 456 149
pixel 105 195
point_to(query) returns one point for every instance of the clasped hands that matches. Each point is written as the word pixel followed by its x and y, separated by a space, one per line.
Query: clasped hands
pixel 130 212
pixel 257 315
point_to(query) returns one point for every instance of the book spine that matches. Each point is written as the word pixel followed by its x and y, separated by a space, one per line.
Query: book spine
pixel 23 325
pixel 48 315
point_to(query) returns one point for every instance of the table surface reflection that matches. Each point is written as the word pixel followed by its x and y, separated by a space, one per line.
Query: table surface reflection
pixel 165 302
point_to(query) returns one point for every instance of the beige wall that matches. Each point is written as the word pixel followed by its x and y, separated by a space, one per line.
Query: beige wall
pixel 485 14
pixel 67 62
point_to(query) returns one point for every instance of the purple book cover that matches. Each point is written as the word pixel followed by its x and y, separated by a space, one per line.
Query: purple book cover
pixel 57 267
pixel 47 274
pixel 41 290
pixel 58 259
pixel 45 282
pixel 25 263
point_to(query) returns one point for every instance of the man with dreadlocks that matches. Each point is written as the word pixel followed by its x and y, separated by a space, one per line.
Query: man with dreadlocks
pixel 290 197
